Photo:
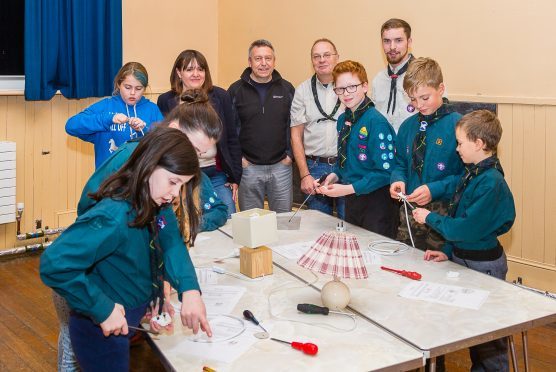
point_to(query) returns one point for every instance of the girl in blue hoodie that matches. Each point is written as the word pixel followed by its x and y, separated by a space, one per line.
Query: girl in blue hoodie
pixel 124 116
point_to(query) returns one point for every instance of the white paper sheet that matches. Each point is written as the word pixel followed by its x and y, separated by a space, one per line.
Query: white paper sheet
pixel 293 251
pixel 206 276
pixel 224 351
pixel 445 294
pixel 219 299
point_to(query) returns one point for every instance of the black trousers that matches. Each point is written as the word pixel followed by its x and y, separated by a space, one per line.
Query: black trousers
pixel 376 212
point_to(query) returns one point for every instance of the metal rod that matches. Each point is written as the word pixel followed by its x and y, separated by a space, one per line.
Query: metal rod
pixel 285 342
pixel 143 330
pixel 302 204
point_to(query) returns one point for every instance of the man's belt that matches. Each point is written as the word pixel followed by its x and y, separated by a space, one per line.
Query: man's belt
pixel 331 160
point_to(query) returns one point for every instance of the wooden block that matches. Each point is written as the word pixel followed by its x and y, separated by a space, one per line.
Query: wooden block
pixel 255 262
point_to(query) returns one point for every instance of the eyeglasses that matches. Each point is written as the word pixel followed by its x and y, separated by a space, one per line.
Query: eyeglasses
pixel 349 89
pixel 326 56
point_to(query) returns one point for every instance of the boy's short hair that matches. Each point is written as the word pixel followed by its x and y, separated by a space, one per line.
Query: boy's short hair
pixel 353 67
pixel 396 23
pixel 483 125
pixel 422 72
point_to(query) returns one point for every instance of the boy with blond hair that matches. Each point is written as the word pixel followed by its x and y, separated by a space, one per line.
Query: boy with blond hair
pixel 427 165
pixel 472 232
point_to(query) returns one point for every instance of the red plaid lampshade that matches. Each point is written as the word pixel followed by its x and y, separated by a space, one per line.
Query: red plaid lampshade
pixel 335 253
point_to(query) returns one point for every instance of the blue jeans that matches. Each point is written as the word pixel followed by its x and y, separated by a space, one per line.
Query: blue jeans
pixel 219 180
pixel 324 203
pixel 492 355
pixel 96 352
pixel 274 181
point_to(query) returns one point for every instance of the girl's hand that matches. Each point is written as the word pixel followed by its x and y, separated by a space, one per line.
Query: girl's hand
pixel 420 215
pixel 395 188
pixel 119 119
pixel 193 312
pixel 137 124
pixel 336 190
pixel 436 256
pixel 166 308
pixel 421 195
pixel 116 323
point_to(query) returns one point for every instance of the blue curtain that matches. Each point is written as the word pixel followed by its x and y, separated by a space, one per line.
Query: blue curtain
pixel 74 46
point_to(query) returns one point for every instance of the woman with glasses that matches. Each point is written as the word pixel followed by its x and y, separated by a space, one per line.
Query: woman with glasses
pixel 365 155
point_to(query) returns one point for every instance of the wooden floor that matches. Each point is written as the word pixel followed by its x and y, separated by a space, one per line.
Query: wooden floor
pixel 29 328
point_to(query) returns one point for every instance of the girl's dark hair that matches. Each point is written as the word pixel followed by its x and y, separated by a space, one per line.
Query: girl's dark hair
pixel 162 147
pixel 195 113
pixel 182 61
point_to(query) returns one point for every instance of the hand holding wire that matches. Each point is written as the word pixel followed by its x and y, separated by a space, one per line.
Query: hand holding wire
pixel 119 119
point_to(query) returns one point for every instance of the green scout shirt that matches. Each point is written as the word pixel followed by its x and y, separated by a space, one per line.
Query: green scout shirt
pixel 485 211
pixel 99 261
pixel 214 211
pixel 370 152
pixel 443 166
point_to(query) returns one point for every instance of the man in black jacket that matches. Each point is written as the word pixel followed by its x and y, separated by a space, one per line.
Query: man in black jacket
pixel 263 100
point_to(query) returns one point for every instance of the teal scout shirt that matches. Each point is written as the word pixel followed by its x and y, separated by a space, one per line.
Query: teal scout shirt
pixel 99 261
pixel 370 152
pixel 214 212
pixel 443 166
pixel 485 211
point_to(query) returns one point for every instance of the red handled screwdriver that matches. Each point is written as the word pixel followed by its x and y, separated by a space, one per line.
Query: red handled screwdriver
pixel 308 348
pixel 408 274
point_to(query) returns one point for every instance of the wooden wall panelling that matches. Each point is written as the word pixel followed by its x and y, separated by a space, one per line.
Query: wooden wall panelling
pixel 516 164
pixel 550 188
pixel 72 148
pixel 30 214
pixel 533 176
pixel 505 153
pixel 59 155
pixel 42 140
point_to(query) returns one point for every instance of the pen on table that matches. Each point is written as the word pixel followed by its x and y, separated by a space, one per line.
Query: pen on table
pixel 208 369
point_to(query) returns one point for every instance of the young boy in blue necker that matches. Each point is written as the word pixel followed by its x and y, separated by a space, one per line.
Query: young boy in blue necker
pixel 481 209
pixel 427 166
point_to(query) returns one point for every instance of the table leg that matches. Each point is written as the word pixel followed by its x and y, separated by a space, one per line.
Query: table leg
pixel 525 353
pixel 512 351
pixel 432 364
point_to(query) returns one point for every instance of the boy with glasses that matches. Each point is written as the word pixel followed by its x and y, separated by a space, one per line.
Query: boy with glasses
pixel 365 155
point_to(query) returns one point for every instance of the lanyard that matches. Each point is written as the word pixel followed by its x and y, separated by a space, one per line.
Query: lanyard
pixel 316 98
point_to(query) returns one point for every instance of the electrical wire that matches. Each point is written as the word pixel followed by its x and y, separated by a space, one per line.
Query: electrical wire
pixel 318 324
pixel 202 338
pixel 375 244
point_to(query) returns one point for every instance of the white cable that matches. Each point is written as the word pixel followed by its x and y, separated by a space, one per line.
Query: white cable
pixel 220 270
pixel 375 244
pixel 320 325
pixel 407 220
